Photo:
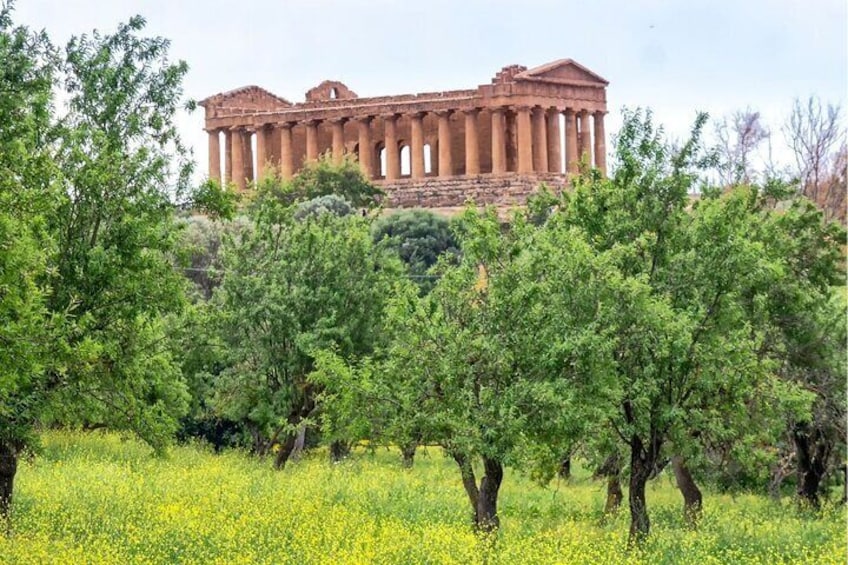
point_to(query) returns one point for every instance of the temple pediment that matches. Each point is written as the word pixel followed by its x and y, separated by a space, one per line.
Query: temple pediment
pixel 246 98
pixel 563 71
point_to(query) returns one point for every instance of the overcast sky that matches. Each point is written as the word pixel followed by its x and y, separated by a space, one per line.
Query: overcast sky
pixel 673 56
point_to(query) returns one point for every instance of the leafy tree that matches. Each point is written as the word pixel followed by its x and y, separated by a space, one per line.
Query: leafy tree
pixel 688 347
pixel 88 236
pixel 327 204
pixel 477 366
pixel 292 287
pixel 122 165
pixel 321 178
pixel 28 193
pixel 420 237
pixel 806 334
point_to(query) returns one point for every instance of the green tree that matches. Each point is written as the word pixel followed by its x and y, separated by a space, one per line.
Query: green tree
pixel 806 334
pixel 321 178
pixel 688 346
pixel 88 236
pixel 28 194
pixel 292 287
pixel 494 362
pixel 420 238
pixel 122 165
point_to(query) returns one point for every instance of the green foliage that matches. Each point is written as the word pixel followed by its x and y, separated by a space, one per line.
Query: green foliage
pixel 321 178
pixel 215 201
pixel 28 192
pixel 420 238
pixel 122 164
pixel 327 204
pixel 291 288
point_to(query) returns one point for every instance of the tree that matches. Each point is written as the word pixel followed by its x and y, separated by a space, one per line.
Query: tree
pixel 28 193
pixel 739 136
pixel 90 233
pixel 292 287
pixel 476 365
pixel 806 335
pixel 321 178
pixel 816 135
pixel 420 238
pixel 687 348
pixel 122 165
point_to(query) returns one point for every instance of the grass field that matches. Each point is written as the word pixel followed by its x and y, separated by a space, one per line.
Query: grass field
pixel 92 498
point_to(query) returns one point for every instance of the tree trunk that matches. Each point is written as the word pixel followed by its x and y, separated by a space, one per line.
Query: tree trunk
pixel 487 502
pixel 299 444
pixel 811 453
pixel 286 448
pixel 408 452
pixel 8 468
pixel 565 467
pixel 339 450
pixel 692 499
pixel 614 494
pixel 611 469
pixel 642 463
pixel 469 482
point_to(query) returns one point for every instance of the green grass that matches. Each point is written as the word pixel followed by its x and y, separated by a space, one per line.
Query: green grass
pixel 94 498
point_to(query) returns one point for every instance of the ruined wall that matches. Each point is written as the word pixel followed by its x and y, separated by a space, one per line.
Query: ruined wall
pixel 451 192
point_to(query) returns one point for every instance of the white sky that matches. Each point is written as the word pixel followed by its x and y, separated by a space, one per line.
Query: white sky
pixel 673 56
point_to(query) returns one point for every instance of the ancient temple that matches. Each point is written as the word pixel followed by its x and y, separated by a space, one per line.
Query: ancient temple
pixel 495 143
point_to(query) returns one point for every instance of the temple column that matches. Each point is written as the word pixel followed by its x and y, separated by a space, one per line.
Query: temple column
pixel 571 141
pixel 286 157
pixel 445 154
pixel 600 143
pixel 261 151
pixel 540 141
pixel 338 140
pixel 214 155
pixel 585 138
pixel 366 152
pixel 247 147
pixel 525 140
pixel 416 150
pixel 472 145
pixel 311 140
pixel 554 157
pixel 238 158
pixel 228 156
pixel 392 149
pixel 498 141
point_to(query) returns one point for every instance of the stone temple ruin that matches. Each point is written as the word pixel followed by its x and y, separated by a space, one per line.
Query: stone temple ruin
pixel 495 143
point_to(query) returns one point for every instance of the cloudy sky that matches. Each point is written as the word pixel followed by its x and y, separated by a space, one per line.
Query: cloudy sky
pixel 673 56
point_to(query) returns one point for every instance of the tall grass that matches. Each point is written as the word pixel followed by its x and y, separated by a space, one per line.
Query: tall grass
pixel 94 498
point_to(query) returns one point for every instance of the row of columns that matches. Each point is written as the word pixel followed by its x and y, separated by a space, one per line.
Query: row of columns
pixel 537 147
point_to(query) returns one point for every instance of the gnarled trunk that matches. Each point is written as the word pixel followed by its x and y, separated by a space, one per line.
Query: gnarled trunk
pixel 469 483
pixel 408 453
pixel 692 499
pixel 285 450
pixel 812 451
pixel 614 494
pixel 299 444
pixel 565 467
pixel 611 469
pixel 8 468
pixel 484 500
pixel 643 463
pixel 339 450
pixel 487 501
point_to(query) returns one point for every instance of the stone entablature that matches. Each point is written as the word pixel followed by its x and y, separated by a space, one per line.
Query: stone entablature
pixel 509 127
